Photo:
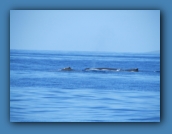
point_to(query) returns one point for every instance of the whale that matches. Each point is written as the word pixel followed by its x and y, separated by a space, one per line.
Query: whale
pixel 103 69
pixel 112 69
pixel 132 70
pixel 67 69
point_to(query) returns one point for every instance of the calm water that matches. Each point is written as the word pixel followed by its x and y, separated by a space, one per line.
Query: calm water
pixel 41 92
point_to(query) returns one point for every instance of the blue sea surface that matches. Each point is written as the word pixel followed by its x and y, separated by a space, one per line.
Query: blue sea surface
pixel 41 92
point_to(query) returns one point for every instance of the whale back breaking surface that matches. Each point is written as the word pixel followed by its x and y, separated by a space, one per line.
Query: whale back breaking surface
pixel 103 69
pixel 67 69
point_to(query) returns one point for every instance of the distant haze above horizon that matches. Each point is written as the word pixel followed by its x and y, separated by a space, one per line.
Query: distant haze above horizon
pixel 135 31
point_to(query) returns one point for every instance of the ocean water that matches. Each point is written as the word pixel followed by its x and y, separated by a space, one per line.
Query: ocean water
pixel 41 92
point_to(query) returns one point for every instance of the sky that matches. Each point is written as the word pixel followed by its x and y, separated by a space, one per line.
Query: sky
pixel 85 30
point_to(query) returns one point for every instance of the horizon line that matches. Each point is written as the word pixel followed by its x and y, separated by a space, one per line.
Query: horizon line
pixel 153 51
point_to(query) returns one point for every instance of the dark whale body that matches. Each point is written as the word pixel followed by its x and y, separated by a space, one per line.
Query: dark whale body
pixel 132 70
pixel 111 69
pixel 67 69
pixel 103 69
